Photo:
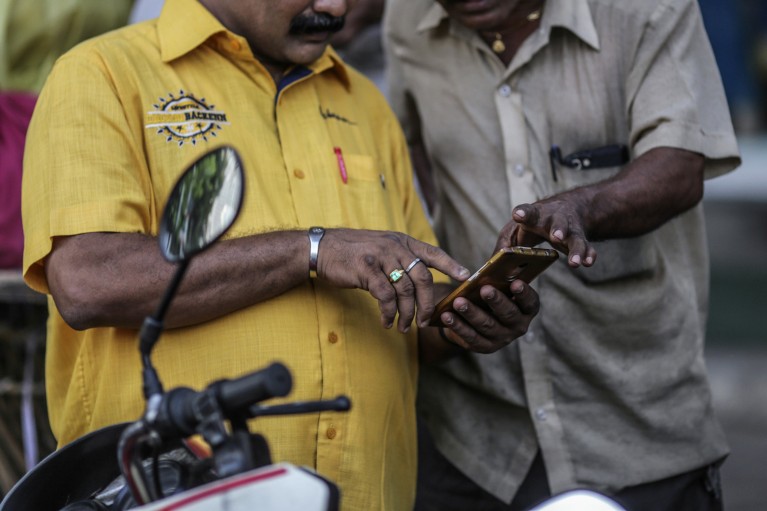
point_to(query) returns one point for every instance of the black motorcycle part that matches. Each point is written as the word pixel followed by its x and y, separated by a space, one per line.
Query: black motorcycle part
pixel 86 505
pixel 72 473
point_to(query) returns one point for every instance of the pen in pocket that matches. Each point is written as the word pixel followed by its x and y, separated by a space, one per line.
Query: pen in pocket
pixel 341 164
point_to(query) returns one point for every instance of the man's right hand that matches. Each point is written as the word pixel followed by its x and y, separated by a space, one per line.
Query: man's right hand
pixel 353 258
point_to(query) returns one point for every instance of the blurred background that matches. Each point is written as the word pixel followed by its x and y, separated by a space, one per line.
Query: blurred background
pixel 736 214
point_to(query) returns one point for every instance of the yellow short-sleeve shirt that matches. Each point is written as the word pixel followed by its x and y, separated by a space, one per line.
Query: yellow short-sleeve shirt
pixel 118 121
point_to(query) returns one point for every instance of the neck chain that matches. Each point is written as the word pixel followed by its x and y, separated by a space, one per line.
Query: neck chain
pixel 498 46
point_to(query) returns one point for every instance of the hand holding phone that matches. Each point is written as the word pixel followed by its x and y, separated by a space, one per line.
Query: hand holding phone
pixel 507 265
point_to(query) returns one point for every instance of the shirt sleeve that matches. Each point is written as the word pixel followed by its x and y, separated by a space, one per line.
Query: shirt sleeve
pixel 674 90
pixel 83 170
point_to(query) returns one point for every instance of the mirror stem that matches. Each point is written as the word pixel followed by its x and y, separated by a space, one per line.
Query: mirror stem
pixel 151 330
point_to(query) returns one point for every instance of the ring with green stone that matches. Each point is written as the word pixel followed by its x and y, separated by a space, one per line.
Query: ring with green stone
pixel 395 275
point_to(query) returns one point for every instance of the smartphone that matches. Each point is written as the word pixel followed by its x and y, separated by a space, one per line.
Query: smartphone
pixel 507 265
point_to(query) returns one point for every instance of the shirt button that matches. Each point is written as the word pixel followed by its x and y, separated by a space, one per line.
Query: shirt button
pixel 530 337
pixel 519 169
pixel 331 432
pixel 332 338
pixel 540 414
pixel 504 91
pixel 299 173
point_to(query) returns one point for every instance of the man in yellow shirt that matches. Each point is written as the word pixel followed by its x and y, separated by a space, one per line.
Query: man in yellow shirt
pixel 120 118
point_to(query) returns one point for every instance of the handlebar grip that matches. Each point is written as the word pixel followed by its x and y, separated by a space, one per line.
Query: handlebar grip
pixel 235 396
pixel 183 409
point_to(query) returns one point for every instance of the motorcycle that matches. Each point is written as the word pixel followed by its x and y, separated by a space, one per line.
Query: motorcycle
pixel 160 462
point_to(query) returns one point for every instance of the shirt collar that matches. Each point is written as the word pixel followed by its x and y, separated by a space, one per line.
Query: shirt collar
pixel 184 25
pixel 573 15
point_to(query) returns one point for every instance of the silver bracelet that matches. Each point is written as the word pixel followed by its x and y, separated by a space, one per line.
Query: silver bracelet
pixel 315 235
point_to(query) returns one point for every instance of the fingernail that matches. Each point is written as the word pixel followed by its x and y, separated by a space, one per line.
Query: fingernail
pixel 520 213
pixel 406 330
pixel 589 261
pixel 463 308
pixel 576 259
pixel 558 234
pixel 448 321
pixel 464 272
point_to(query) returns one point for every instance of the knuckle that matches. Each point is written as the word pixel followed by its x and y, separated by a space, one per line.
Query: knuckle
pixel 421 278
pixel 394 237
pixel 405 289
pixel 386 293
pixel 487 324
pixel 370 260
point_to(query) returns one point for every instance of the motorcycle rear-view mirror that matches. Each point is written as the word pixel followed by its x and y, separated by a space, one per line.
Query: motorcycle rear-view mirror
pixel 202 206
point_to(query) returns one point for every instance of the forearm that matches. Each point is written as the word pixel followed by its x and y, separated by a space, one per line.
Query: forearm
pixel 651 190
pixel 117 279
pixel 110 279
pixel 648 192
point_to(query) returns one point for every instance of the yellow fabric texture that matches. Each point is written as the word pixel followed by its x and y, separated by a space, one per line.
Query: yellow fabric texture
pixel 103 156
pixel 34 33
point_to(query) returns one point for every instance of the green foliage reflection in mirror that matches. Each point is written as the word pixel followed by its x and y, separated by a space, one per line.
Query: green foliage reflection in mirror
pixel 203 204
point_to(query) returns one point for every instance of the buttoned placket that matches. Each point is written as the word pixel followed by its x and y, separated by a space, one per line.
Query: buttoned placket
pixel 515 146
pixel 543 411
pixel 332 426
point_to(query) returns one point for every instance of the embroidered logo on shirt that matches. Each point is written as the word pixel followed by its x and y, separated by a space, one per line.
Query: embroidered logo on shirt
pixel 185 119
pixel 327 114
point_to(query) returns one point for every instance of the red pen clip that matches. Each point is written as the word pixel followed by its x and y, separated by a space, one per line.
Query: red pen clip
pixel 341 164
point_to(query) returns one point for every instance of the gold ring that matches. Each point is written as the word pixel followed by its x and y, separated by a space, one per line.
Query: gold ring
pixel 412 265
pixel 395 275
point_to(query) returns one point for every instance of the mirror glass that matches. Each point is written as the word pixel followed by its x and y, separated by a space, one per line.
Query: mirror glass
pixel 203 204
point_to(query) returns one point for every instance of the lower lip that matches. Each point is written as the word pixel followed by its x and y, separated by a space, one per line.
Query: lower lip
pixel 316 37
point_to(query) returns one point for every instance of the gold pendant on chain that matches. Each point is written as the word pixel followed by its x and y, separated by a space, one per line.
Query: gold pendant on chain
pixel 498 46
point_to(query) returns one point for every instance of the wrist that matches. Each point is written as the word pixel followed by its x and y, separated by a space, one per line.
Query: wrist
pixel 315 236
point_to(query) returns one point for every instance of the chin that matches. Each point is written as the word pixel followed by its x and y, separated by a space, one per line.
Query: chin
pixel 306 52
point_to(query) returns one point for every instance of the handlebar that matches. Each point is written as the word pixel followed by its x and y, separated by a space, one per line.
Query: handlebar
pixel 183 412
pixel 183 409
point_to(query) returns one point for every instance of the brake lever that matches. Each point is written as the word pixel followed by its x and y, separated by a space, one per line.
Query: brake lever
pixel 339 404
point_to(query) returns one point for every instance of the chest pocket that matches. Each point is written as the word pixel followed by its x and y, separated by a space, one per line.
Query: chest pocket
pixel 621 258
pixel 368 200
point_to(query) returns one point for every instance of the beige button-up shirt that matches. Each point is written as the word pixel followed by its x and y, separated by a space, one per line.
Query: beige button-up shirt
pixel 610 381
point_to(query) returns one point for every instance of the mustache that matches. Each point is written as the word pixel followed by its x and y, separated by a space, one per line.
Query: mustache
pixel 313 23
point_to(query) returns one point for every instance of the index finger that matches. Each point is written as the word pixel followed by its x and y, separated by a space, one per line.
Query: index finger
pixel 431 257
pixel 436 258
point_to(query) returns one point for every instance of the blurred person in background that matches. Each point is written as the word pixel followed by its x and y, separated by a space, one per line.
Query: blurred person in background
pixel 359 42
pixel 33 34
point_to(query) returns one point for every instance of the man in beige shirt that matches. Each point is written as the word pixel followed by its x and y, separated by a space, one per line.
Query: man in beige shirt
pixel 589 125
